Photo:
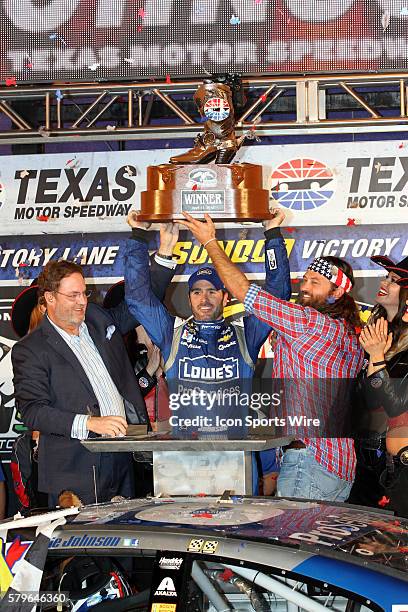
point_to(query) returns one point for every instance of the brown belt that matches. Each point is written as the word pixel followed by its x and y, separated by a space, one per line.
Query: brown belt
pixel 295 444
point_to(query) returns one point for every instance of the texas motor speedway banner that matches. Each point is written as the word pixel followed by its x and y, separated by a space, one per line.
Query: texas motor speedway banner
pixel 317 184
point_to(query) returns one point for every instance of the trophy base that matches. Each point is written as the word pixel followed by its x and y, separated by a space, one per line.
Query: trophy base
pixel 227 192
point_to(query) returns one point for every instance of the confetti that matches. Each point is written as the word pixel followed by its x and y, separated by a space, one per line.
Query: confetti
pixel 139 28
pixel 385 20
pixel 10 81
pixel 201 494
pixel 129 60
pixel 263 97
pixel 258 1
pixel 295 281
pixel 290 229
pixel 141 13
pixel 129 170
pixel 353 204
pixel 194 187
pixel 24 173
pixel 59 95
pixel 110 128
pixel 235 20
pixel 94 66
pixel 168 79
pixel 43 218
pixel 377 167
pixel 401 145
pixel 384 501
pixel 73 163
pixel 22 265
pixel 351 222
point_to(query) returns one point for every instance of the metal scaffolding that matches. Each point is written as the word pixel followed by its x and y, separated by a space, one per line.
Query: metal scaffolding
pixel 84 110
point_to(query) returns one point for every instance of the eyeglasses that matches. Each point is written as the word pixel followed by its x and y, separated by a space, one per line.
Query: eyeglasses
pixel 73 297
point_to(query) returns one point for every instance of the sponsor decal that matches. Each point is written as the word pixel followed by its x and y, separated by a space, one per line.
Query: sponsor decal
pixel 85 541
pixel 217 109
pixel 199 545
pixel 272 264
pixel 333 530
pixel 163 607
pixel 166 588
pixel 217 369
pixel 195 545
pixel 202 177
pixel 202 201
pixel 210 546
pixel 187 335
pixel 131 542
pixel 302 184
pixel 170 563
pixel 226 337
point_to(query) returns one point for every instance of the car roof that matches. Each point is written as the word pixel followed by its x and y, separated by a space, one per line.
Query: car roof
pixel 364 536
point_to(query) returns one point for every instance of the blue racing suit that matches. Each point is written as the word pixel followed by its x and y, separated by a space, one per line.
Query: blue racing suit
pixel 211 356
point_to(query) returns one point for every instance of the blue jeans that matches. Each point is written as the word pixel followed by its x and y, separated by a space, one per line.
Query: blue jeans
pixel 303 477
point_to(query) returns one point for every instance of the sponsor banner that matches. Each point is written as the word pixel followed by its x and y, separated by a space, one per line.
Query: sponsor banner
pixel 22 257
pixel 349 184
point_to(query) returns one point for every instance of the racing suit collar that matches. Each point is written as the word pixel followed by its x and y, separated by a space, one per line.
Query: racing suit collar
pixel 209 325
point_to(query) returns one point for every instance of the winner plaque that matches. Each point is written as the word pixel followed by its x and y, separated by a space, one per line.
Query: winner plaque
pixel 227 192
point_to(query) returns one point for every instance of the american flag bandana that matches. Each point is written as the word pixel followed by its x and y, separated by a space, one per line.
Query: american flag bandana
pixel 331 272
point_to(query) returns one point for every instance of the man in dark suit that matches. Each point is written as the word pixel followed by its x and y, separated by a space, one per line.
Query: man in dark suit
pixel 73 380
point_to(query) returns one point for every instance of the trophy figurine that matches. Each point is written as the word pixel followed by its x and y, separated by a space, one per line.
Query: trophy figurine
pixel 228 192
pixel 218 143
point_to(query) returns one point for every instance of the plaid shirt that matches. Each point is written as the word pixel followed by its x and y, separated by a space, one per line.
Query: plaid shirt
pixel 312 345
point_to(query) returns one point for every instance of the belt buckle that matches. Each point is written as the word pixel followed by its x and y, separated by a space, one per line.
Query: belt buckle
pixel 404 457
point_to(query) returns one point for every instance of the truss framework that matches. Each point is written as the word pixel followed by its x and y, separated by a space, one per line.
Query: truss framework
pixel 90 121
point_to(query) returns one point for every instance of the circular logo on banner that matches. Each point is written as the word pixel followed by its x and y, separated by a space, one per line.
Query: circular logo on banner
pixel 217 109
pixel 302 184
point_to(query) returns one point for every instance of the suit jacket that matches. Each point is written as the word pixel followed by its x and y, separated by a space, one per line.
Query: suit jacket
pixel 51 387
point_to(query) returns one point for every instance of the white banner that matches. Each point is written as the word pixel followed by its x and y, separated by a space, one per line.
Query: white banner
pixel 340 183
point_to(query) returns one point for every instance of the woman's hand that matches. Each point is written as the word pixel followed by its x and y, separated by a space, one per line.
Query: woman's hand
pixel 376 340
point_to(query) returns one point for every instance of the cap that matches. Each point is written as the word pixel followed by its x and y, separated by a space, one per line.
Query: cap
pixel 400 268
pixel 207 274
